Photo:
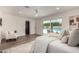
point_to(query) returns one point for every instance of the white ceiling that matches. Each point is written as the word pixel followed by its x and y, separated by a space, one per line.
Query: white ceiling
pixel 43 11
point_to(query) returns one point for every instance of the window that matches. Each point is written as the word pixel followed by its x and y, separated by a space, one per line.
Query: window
pixel 46 26
pixel 54 25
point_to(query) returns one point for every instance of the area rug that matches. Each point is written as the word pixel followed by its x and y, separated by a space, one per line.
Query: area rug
pixel 23 48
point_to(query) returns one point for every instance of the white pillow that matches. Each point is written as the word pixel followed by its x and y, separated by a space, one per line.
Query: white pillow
pixel 64 33
pixel 6 32
pixel 65 39
pixel 74 38
pixel 60 35
pixel 53 34
pixel 11 32
pixel 2 34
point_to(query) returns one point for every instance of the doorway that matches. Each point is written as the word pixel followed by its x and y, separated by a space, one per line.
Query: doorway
pixel 27 27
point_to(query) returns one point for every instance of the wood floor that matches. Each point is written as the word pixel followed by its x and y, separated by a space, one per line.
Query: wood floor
pixel 18 41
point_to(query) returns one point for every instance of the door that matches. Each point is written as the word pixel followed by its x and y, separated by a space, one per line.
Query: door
pixel 27 28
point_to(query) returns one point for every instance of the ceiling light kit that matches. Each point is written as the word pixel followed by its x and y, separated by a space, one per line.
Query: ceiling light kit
pixel 57 8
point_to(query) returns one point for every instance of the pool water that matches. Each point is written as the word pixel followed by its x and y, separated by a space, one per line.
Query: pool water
pixel 58 30
pixel 55 30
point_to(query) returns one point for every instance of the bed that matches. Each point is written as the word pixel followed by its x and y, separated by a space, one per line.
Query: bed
pixel 46 44
pixel 58 47
pixel 65 42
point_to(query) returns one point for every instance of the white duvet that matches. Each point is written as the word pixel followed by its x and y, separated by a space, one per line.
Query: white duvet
pixel 41 44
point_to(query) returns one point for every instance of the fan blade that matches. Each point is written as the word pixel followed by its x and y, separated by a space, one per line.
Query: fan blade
pixel 26 6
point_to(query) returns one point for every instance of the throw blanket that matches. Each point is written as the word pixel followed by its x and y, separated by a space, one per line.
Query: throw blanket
pixel 41 44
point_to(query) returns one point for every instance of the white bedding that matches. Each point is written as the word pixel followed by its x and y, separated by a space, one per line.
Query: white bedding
pixel 58 47
pixel 41 44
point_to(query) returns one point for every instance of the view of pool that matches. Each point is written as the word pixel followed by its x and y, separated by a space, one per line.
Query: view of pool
pixel 55 30
pixel 58 30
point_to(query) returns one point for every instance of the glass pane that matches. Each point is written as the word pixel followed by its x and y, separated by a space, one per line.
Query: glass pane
pixel 46 26
pixel 56 25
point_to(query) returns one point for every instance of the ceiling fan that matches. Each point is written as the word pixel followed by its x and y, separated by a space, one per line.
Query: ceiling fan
pixel 35 10
pixel 26 6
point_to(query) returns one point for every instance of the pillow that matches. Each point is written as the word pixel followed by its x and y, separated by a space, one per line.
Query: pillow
pixel 53 34
pixel 65 39
pixel 11 32
pixel 6 32
pixel 74 38
pixel 64 33
pixel 2 34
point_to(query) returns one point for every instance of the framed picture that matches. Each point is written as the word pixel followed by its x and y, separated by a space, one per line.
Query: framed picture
pixel 71 22
pixel 0 21
pixel 77 19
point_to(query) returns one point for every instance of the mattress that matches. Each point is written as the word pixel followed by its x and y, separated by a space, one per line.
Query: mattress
pixel 58 47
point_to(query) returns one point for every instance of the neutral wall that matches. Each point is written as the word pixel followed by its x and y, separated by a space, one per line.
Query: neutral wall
pixel 39 27
pixel 65 16
pixel 14 22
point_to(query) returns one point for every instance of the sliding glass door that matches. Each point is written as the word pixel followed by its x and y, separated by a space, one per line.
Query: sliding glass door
pixel 46 26
pixel 54 25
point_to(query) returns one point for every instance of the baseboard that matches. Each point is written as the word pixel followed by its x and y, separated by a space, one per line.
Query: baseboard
pixel 30 34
